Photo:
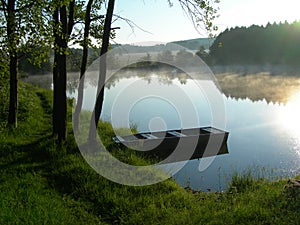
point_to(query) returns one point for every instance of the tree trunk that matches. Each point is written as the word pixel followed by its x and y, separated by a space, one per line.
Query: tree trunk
pixel 61 101
pixel 55 73
pixel 59 70
pixel 87 22
pixel 102 75
pixel 13 97
pixel 13 63
pixel 59 83
pixel 62 77
pixel 59 77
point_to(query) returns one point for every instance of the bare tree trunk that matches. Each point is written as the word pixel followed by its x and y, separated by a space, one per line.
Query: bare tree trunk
pixel 102 75
pixel 87 22
pixel 13 63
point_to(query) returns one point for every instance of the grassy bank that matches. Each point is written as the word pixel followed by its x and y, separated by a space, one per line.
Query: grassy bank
pixel 41 183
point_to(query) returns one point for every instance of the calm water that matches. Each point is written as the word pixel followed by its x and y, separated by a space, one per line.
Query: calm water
pixel 264 137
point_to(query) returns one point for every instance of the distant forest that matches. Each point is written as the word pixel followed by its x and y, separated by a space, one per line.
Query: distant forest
pixel 275 44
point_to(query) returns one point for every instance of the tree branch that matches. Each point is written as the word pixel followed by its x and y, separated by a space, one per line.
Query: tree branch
pixel 200 12
pixel 131 24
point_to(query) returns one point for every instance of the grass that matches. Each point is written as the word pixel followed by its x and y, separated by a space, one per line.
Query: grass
pixel 25 194
pixel 41 183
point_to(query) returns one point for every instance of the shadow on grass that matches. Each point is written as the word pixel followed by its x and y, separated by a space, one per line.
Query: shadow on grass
pixel 27 157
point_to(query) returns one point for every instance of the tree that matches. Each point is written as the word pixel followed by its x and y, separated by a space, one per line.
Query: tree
pixel 202 53
pixel 21 32
pixel 13 61
pixel 63 23
pixel 165 56
pixel 183 58
pixel 85 42
pixel 102 75
pixel 65 14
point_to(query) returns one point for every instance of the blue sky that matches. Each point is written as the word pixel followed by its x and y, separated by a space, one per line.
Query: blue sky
pixel 166 23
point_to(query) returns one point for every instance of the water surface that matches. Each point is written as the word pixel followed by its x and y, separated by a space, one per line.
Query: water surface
pixel 263 136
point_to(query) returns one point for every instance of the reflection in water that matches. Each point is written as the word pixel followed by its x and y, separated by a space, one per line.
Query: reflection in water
pixel 289 115
pixel 258 138
pixel 258 87
pixel 134 101
pixel 289 118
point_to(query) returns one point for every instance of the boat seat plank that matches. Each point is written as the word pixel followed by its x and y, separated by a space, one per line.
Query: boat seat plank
pixel 212 130
pixel 120 138
pixel 177 134
pixel 149 136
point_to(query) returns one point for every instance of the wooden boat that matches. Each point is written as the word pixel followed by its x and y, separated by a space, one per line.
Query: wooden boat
pixel 178 145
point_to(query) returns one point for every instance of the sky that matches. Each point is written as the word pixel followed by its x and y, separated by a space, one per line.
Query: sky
pixel 161 23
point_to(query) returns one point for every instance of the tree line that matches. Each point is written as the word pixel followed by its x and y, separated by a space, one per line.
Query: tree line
pixel 28 67
pixel 270 44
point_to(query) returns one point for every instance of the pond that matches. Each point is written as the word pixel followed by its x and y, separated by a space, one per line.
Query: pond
pixel 263 136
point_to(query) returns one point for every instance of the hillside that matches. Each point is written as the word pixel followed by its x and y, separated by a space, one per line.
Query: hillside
pixel 195 44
